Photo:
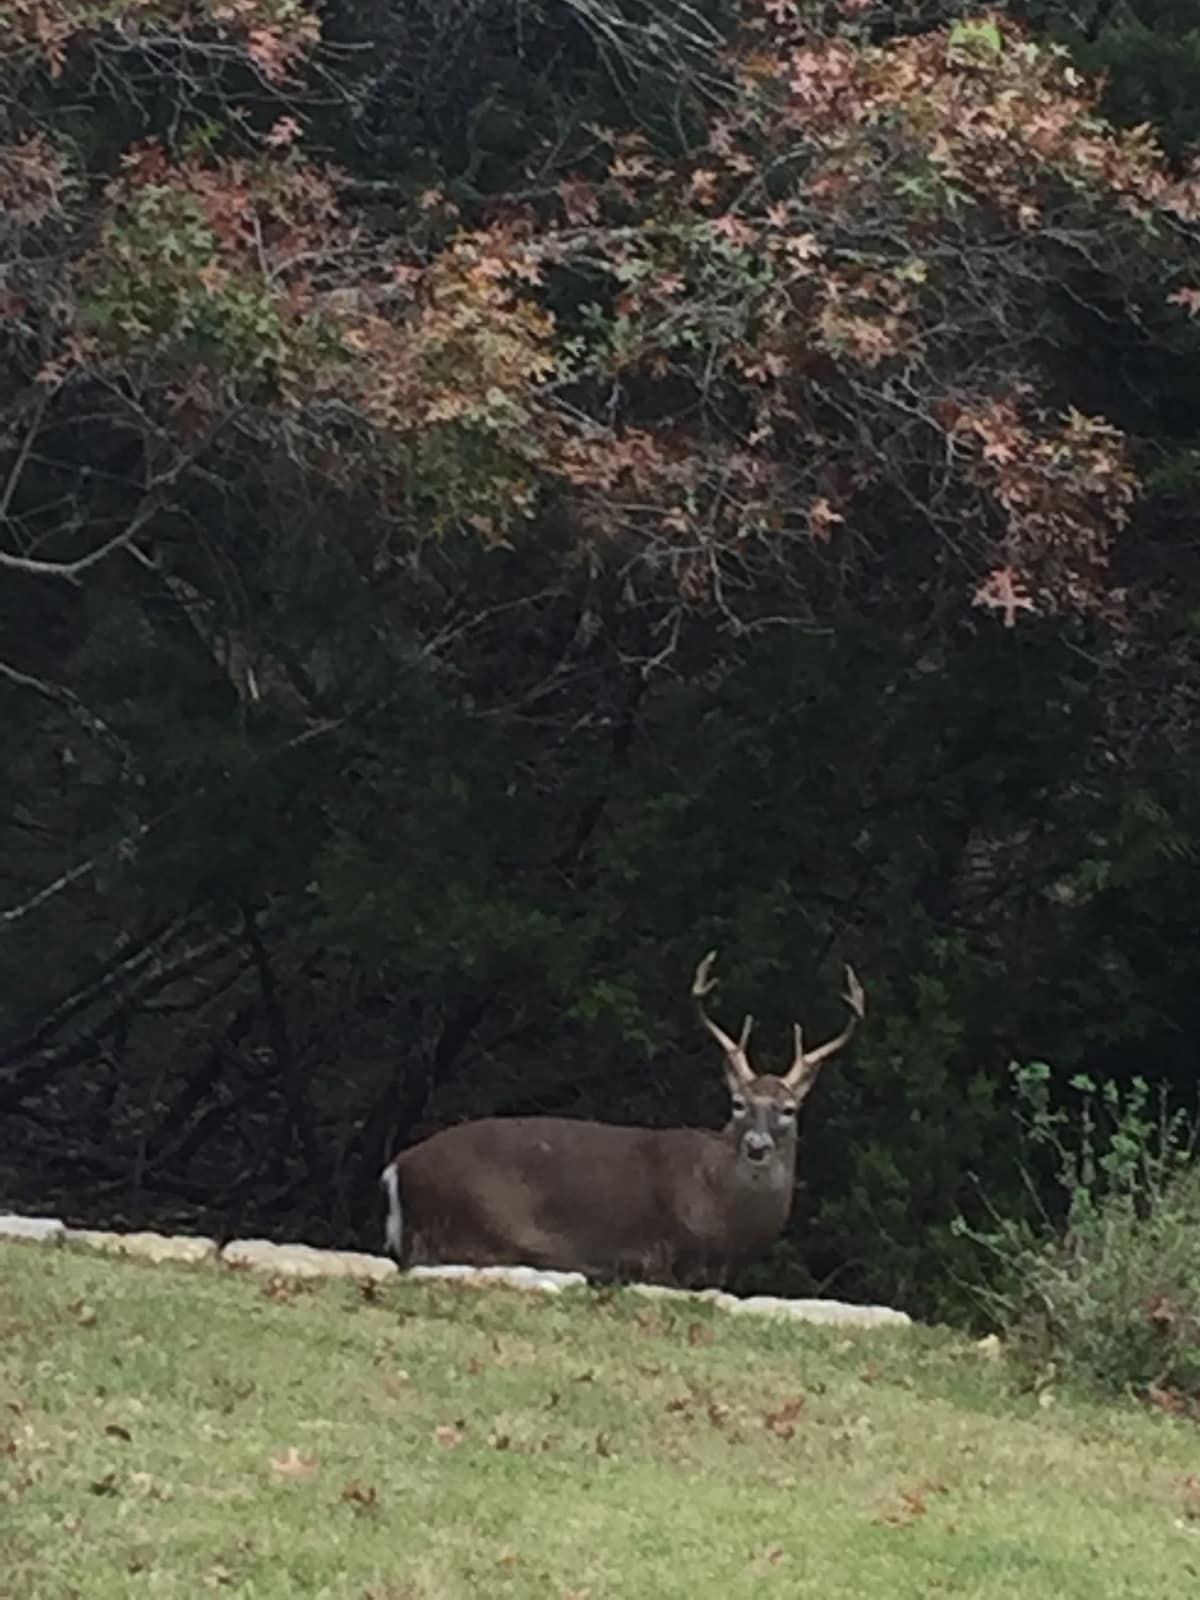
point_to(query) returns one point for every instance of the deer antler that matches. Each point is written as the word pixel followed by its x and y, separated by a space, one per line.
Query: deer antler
pixel 735 1050
pixel 803 1069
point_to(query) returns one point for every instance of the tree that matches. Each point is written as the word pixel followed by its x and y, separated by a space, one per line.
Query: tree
pixel 417 565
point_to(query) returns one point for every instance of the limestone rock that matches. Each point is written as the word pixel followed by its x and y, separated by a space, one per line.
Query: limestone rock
pixel 305 1261
pixel 513 1277
pixel 44 1230
pixel 660 1291
pixel 837 1312
pixel 153 1247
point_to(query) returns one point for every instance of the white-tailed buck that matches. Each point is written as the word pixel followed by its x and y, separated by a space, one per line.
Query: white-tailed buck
pixel 679 1205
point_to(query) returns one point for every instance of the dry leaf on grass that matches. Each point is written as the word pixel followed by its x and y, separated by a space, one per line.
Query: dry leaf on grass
pixel 913 1503
pixel 149 1486
pixel 448 1435
pixel 780 1421
pixel 293 1465
pixel 283 1290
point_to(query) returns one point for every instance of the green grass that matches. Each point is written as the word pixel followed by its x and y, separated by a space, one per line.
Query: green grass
pixel 454 1442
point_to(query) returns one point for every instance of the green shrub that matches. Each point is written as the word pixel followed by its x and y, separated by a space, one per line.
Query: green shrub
pixel 1107 1287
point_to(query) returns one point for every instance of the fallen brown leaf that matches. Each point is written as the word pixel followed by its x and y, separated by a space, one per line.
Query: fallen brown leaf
pixel 447 1436
pixel 913 1503
pixel 116 1430
pixel 651 1326
pixel 395 1383
pixel 294 1465
pixel 1164 1399
pixel 145 1484
pixel 779 1422
pixel 83 1313
pixel 105 1485
pixel 360 1495
pixel 699 1333
pixel 283 1290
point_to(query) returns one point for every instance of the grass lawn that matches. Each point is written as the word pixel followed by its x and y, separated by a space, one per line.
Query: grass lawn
pixel 181 1431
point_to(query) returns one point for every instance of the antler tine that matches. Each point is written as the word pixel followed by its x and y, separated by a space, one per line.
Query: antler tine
pixel 735 1050
pixel 803 1068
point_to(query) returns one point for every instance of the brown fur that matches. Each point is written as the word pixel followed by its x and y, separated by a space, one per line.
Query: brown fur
pixel 677 1205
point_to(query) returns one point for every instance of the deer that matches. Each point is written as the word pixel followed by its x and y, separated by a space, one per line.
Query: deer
pixel 687 1207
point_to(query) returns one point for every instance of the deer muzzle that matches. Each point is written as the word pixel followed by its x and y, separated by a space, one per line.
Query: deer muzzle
pixel 758 1146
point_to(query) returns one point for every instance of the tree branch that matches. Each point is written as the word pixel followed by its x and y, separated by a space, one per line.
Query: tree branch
pixel 58 694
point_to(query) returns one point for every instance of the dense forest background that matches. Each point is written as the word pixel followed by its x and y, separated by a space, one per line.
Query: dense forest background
pixel 498 497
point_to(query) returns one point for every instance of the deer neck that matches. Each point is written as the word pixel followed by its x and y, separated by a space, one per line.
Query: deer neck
pixel 759 1194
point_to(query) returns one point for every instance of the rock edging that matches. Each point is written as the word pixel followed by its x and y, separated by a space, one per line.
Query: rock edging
pixel 302 1261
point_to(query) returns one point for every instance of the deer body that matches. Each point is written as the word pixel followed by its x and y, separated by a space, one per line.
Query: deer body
pixel 676 1205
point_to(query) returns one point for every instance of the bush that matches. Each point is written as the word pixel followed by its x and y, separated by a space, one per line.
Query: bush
pixel 1107 1291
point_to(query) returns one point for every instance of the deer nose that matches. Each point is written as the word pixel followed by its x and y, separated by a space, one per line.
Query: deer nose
pixel 758 1146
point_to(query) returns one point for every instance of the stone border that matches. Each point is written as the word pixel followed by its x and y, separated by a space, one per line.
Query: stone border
pixel 302 1261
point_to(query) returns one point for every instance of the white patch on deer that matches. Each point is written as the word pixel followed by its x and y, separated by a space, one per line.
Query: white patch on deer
pixel 394 1230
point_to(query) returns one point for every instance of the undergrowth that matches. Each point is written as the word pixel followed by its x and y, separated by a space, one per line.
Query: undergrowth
pixel 1106 1290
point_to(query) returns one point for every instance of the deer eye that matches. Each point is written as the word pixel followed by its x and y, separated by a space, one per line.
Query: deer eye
pixel 786 1113
pixel 739 1106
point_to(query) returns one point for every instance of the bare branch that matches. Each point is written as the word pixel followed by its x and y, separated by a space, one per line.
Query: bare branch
pixel 58 694
pixel 155 498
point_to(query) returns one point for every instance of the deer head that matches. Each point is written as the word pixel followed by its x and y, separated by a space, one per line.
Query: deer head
pixel 764 1106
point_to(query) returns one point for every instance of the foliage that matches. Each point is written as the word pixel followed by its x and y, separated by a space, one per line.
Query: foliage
pixel 1148 52
pixel 1112 1295
pixel 497 499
